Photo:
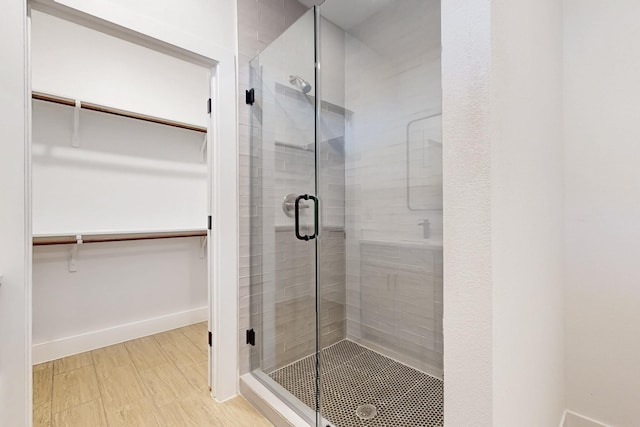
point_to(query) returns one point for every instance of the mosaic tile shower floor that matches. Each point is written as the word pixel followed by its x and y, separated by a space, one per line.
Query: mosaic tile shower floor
pixel 354 376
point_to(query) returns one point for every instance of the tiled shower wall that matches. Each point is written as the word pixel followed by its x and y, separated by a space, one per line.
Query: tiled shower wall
pixel 287 303
pixel 277 283
pixel 393 290
pixel 283 296
pixel 394 273
pixel 259 23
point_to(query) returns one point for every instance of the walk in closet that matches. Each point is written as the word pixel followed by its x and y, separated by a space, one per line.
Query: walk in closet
pixel 120 184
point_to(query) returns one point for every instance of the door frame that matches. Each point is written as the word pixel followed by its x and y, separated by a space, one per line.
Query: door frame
pixel 222 193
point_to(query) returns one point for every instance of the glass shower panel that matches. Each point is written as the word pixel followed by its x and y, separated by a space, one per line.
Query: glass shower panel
pixel 283 211
pixel 348 324
pixel 380 183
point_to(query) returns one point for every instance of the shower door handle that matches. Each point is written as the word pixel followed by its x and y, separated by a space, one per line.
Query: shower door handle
pixel 315 217
pixel 297 217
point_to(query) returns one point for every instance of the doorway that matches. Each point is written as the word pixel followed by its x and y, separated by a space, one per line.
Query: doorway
pixel 121 205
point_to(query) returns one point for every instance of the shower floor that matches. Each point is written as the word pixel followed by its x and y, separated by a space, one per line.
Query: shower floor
pixel 353 376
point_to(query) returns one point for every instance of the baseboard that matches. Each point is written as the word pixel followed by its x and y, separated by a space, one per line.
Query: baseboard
pixel 573 419
pixel 69 346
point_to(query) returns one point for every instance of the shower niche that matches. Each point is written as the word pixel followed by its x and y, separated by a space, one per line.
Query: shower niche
pixel 346 215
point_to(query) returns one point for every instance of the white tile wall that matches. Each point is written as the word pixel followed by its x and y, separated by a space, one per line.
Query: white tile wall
pixel 386 72
pixel 284 159
pixel 394 294
pixel 259 23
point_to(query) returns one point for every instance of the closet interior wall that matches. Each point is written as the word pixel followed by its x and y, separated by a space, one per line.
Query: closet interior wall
pixel 99 173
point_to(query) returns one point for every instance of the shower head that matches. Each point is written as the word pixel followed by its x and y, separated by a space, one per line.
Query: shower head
pixel 300 83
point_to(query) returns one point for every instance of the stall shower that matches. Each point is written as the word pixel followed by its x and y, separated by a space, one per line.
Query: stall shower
pixel 346 215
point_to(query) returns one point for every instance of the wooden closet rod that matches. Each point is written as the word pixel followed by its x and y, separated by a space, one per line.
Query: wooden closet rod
pixel 114 237
pixel 109 110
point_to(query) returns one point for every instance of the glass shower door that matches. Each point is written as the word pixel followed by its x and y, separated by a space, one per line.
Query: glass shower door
pixel 347 291
pixel 379 175
pixel 283 217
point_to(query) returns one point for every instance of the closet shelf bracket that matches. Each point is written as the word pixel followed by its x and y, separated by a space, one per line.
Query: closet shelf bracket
pixel 203 149
pixel 75 137
pixel 74 254
pixel 203 246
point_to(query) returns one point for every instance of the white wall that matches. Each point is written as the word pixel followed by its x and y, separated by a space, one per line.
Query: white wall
pixel 206 28
pixel 503 321
pixel 466 50
pixel 125 176
pixel 80 63
pixel 15 311
pixel 204 32
pixel 122 290
pixel 601 90
pixel 526 213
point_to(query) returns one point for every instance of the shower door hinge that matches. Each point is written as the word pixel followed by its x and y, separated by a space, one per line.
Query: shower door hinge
pixel 251 337
pixel 209 106
pixel 209 222
pixel 250 96
pixel 210 338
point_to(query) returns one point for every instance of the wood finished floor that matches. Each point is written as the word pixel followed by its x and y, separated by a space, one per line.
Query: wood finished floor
pixel 160 380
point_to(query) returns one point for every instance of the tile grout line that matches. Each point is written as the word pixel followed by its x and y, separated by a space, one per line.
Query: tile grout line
pixel 142 382
pixel 394 359
pixel 104 409
pixel 70 407
pixel 311 356
pixel 51 395
pixel 194 343
pixel 206 355
pixel 170 360
pixel 412 385
pixel 194 390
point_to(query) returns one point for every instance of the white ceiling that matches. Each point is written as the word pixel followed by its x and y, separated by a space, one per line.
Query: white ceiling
pixel 347 13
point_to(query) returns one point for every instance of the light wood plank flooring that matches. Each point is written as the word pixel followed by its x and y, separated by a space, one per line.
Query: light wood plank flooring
pixel 160 380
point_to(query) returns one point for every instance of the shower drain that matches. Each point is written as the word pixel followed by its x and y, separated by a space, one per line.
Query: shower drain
pixel 366 411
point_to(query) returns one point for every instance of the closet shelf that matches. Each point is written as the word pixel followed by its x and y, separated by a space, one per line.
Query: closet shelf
pixel 65 239
pixel 110 110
